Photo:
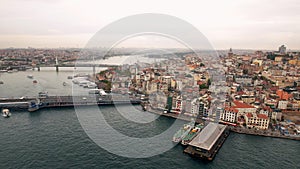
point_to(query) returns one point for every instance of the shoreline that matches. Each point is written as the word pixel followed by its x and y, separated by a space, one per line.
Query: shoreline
pixel 175 116
pixel 263 133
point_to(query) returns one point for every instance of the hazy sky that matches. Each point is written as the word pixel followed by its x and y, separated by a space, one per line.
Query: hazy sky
pixel 248 24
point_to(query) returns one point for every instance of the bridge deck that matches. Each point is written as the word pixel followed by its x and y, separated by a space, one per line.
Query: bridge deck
pixel 65 101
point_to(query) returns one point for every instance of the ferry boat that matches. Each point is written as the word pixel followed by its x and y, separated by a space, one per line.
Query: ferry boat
pixel 33 106
pixel 182 132
pixel 192 134
pixel 6 113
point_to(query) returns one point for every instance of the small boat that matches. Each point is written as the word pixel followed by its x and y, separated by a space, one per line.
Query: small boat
pixel 9 71
pixel 70 77
pixel 30 76
pixel 6 113
pixel 144 108
pixel 1 82
pixel 65 84
pixel 34 81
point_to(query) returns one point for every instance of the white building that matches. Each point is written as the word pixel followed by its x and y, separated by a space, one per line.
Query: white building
pixel 229 115
pixel 258 121
pixel 282 104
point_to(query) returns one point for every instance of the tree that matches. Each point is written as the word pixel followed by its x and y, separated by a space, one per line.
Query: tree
pixel 203 86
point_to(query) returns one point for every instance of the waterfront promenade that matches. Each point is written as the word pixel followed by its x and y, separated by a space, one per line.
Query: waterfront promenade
pixel 265 133
pixel 240 130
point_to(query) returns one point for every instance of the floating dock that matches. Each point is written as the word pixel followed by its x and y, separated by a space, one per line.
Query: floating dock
pixel 208 142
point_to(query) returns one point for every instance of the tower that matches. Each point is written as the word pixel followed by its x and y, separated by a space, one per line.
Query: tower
pixel 230 53
pixel 282 49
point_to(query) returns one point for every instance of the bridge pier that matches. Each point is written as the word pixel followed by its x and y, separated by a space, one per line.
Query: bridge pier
pixel 94 69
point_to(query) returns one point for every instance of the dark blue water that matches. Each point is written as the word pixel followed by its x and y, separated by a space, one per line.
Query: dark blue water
pixel 54 138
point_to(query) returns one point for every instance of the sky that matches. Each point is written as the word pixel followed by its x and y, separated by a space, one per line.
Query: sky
pixel 237 24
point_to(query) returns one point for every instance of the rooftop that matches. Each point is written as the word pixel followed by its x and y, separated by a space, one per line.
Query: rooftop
pixel 241 105
pixel 208 136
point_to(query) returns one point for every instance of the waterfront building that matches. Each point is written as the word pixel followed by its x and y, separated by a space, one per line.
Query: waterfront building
pixel 237 110
pixel 243 107
pixel 276 115
pixel 206 144
pixel 178 104
pixel 195 107
pixel 229 115
pixel 258 121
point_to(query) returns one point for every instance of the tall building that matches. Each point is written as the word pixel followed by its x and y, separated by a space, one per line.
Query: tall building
pixel 230 53
pixel 282 49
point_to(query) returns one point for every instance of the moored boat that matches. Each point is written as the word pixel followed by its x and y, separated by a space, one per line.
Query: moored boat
pixel 182 132
pixel 192 134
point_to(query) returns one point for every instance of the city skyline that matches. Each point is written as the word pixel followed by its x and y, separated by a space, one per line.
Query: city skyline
pixel 240 25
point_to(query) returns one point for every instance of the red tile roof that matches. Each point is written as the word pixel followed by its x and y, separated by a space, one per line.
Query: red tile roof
pixel 249 115
pixel 241 105
pixel 231 109
pixel 262 116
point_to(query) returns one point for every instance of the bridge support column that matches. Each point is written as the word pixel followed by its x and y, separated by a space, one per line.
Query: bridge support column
pixel 94 70
pixel 56 66
pixel 39 68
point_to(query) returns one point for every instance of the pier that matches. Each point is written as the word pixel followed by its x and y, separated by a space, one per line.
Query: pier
pixel 63 101
pixel 206 144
